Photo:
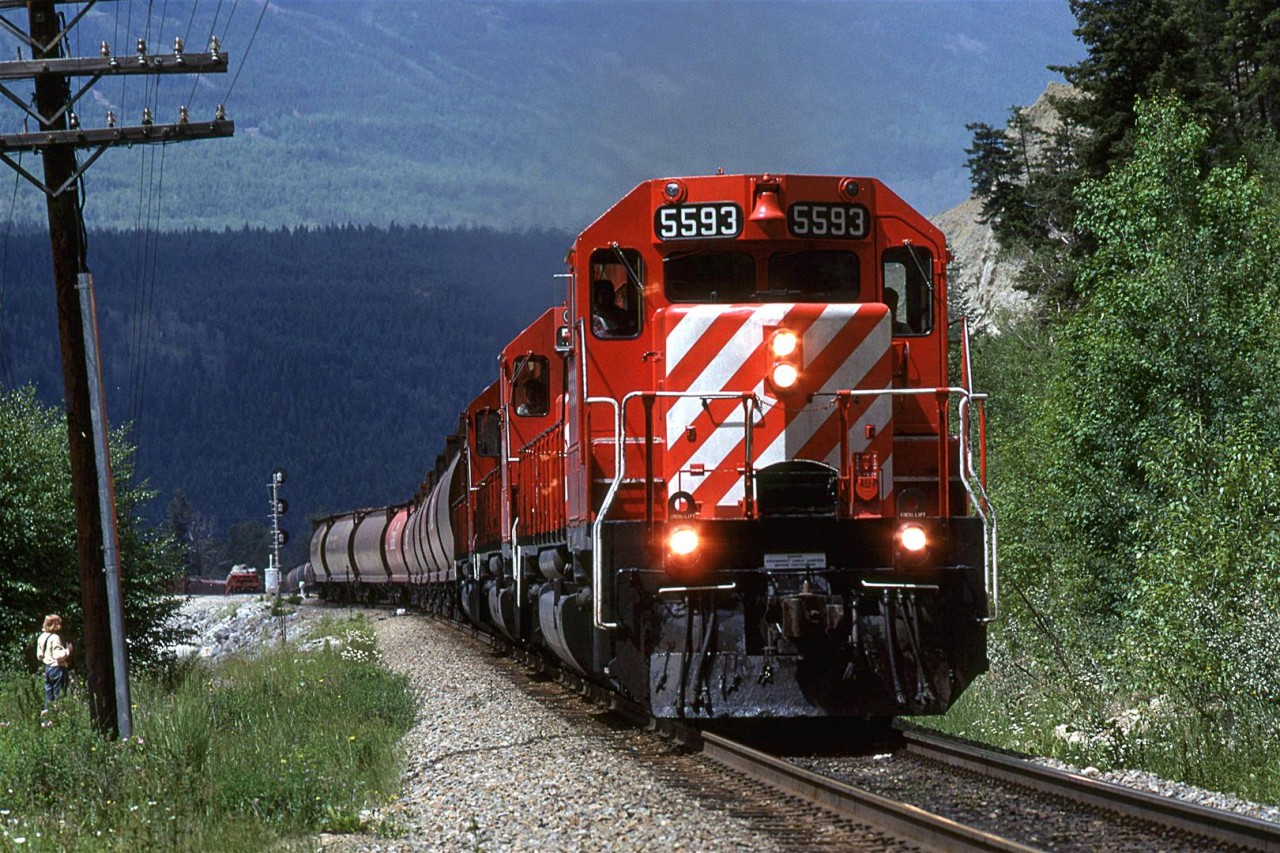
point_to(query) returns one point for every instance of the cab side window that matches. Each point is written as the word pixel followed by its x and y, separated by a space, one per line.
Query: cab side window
pixel 908 289
pixel 488 433
pixel 530 389
pixel 614 294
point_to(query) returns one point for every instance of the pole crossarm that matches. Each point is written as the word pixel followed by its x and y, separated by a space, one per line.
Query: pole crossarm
pixel 101 139
pixel 103 66
pixel 22 4
pixel 141 134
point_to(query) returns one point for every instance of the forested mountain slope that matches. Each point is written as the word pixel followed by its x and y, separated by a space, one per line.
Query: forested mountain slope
pixel 342 354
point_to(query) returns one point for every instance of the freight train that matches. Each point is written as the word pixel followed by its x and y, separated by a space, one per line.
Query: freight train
pixel 730 476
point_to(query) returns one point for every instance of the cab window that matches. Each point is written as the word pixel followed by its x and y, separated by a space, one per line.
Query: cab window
pixel 702 276
pixel 615 290
pixel 813 276
pixel 530 390
pixel 488 433
pixel 908 289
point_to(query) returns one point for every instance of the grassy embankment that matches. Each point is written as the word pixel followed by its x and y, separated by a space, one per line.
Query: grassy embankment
pixel 1223 747
pixel 244 755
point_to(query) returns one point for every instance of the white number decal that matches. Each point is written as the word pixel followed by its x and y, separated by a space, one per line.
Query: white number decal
pixel 820 221
pixel 857 221
pixel 688 222
pixel 730 226
pixel 667 223
pixel 813 219
pixel 838 220
pixel 799 219
pixel 707 217
pixel 697 221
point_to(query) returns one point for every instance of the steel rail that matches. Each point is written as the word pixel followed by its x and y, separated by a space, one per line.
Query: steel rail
pixel 899 819
pixel 1215 824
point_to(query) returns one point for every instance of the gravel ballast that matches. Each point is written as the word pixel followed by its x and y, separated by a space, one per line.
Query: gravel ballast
pixel 490 768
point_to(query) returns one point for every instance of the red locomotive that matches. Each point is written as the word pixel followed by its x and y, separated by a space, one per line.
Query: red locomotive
pixel 730 477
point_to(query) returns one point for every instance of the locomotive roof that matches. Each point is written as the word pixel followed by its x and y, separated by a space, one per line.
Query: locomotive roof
pixel 704 188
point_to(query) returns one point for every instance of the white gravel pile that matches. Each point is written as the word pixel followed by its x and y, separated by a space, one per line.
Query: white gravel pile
pixel 488 768
pixel 226 625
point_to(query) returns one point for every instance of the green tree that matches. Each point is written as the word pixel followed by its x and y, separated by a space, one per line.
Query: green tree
pixel 180 521
pixel 1145 496
pixel 38 571
pixel 37 538
pixel 1219 57
pixel 1025 175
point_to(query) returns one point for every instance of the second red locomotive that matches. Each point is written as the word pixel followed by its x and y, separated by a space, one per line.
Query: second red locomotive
pixel 730 476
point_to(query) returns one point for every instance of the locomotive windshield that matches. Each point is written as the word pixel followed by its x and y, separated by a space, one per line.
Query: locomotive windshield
pixel 814 275
pixel 800 276
pixel 709 276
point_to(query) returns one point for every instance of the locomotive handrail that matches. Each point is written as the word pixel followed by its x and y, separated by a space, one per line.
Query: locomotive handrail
pixel 969 479
pixel 981 502
pixel 986 511
pixel 619 473
pixel 517 568
pixel 597 526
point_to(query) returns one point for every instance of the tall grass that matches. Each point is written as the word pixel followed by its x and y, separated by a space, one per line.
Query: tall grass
pixel 247 754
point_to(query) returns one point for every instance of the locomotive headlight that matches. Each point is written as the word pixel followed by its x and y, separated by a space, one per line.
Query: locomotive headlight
pixel 912 538
pixel 784 375
pixel 683 541
pixel 784 343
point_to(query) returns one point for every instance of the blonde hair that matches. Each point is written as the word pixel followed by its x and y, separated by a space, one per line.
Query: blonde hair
pixel 52 622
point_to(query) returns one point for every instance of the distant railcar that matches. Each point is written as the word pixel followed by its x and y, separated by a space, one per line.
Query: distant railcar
pixel 241 579
pixel 730 476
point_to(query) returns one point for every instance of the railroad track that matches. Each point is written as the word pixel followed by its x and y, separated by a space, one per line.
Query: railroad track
pixel 1219 827
pixel 976 799
pixel 931 792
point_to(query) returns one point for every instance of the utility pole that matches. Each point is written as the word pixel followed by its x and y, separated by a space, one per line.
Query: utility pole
pixel 58 138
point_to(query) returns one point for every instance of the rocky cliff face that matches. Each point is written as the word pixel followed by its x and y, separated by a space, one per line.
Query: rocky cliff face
pixel 982 277
pixel 981 280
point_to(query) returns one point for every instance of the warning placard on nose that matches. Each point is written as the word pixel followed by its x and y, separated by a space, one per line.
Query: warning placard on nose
pixel 795 560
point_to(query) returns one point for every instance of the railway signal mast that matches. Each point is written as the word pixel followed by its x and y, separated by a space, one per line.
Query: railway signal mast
pixel 279 536
pixel 58 138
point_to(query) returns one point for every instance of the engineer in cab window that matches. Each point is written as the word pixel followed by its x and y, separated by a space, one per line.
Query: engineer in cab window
pixel 532 396
pixel 608 318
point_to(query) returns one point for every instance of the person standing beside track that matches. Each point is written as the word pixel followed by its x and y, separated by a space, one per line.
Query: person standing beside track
pixel 56 659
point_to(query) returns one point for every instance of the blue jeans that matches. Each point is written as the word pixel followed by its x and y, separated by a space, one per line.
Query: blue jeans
pixel 55 681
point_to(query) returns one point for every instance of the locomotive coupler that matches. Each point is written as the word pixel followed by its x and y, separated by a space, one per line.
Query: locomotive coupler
pixel 808 614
